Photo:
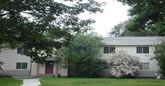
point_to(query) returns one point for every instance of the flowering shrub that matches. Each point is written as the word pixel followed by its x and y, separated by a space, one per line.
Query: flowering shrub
pixel 123 65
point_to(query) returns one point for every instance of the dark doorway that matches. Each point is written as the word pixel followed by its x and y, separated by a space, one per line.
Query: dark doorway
pixel 49 67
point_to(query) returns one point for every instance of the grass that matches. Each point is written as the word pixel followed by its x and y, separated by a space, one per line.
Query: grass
pixel 10 82
pixel 100 82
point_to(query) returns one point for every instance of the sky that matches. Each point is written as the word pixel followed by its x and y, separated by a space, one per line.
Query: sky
pixel 114 13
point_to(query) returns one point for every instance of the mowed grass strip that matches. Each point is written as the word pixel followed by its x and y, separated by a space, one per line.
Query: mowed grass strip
pixel 10 82
pixel 100 82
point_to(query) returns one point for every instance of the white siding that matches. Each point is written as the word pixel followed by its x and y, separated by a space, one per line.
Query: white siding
pixel 131 50
pixel 10 58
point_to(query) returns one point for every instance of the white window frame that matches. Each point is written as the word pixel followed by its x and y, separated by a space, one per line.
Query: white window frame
pixel 21 68
pixel 143 66
pixel 142 49
pixel 109 49
pixel 21 50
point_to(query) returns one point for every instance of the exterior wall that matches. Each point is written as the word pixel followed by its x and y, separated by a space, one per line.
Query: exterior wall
pixel 10 58
pixel 41 69
pixel 34 69
pixel 131 50
pixel 62 71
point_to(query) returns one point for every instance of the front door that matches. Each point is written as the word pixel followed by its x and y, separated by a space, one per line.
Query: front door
pixel 49 67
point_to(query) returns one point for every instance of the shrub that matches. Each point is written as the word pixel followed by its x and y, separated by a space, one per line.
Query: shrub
pixel 160 56
pixel 123 65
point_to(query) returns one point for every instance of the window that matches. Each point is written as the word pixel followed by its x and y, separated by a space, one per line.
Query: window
pixel 109 49
pixel 19 50
pixel 106 49
pixel 139 50
pixel 21 65
pixel 142 49
pixel 18 65
pixel 112 49
pixel 145 49
pixel 144 66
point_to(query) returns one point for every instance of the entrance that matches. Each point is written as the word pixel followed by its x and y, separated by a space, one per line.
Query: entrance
pixel 49 67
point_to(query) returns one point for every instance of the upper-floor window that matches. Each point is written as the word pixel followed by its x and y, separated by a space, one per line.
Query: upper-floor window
pixel 19 50
pixel 109 49
pixel 142 49
pixel 144 66
pixel 21 65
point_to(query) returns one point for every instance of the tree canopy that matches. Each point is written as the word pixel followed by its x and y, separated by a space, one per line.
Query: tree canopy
pixel 121 30
pixel 39 25
pixel 147 15
pixel 83 56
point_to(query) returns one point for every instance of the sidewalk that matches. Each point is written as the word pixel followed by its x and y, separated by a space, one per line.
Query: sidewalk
pixel 31 82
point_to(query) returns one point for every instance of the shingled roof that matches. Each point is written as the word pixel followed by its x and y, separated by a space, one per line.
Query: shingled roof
pixel 133 40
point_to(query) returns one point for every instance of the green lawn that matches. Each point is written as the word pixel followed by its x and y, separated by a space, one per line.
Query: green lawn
pixel 10 82
pixel 100 82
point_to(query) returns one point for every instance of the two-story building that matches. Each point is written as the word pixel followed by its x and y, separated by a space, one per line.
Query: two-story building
pixel 16 64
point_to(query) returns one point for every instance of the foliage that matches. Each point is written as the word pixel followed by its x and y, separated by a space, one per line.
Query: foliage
pixel 123 65
pixel 139 33
pixel 160 56
pixel 100 82
pixel 120 30
pixel 117 31
pixel 82 55
pixel 147 15
pixel 1 63
pixel 39 24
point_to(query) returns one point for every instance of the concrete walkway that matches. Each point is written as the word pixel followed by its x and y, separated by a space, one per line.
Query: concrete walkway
pixel 31 82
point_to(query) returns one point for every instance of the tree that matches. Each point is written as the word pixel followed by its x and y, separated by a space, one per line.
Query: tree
pixel 120 30
pixel 83 56
pixel 117 31
pixel 147 15
pixel 123 65
pixel 38 25
pixel 139 33
pixel 160 56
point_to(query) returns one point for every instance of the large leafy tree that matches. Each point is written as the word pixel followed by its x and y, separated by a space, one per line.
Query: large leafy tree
pixel 39 25
pixel 82 56
pixel 147 15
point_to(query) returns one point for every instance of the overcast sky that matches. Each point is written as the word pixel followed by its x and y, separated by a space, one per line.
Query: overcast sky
pixel 114 13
